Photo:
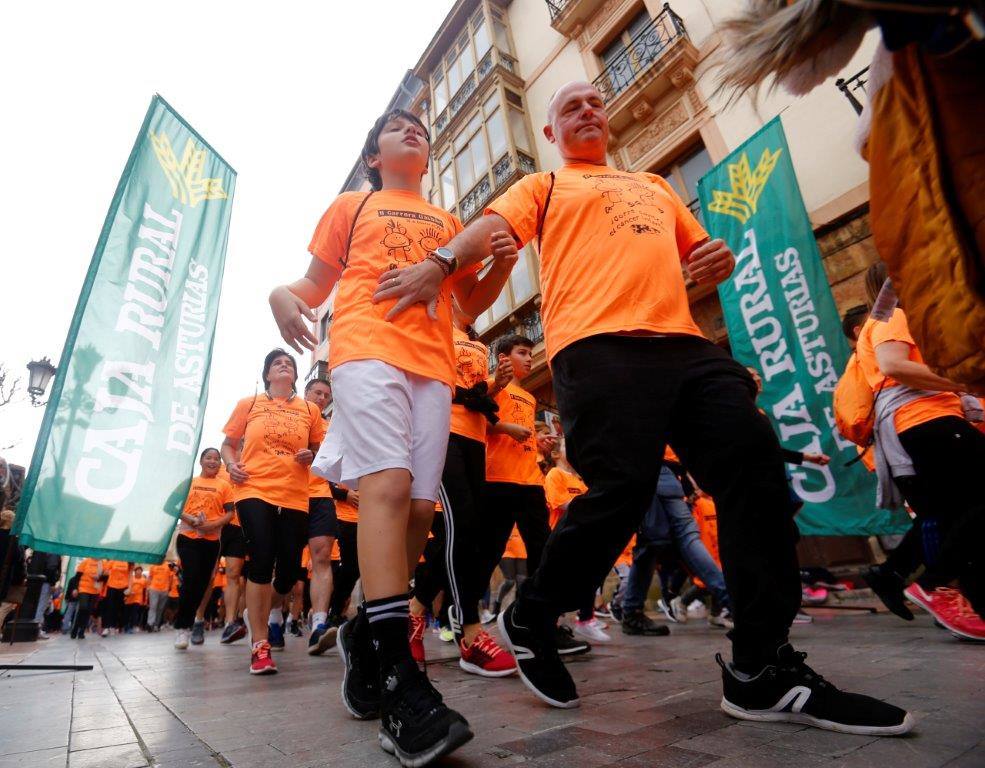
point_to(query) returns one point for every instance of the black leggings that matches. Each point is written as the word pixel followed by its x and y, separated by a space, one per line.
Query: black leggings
pixel 275 536
pixel 83 614
pixel 348 571
pixel 111 609
pixel 198 559
pixel 431 576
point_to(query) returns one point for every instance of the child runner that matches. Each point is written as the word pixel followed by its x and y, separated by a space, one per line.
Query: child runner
pixel 135 599
pixel 91 571
pixel 392 380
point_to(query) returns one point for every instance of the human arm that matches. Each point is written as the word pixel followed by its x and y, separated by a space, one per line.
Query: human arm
pixel 294 304
pixel 709 262
pixel 218 523
pixel 476 295
pixel 518 433
pixel 230 453
pixel 503 376
pixel 893 358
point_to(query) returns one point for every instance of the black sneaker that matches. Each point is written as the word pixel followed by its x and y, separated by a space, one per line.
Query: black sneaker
pixel 415 724
pixel 638 623
pixel 888 587
pixel 198 633
pixel 296 629
pixel 361 680
pixel 616 610
pixel 567 644
pixel 233 632
pixel 790 691
pixel 538 663
pixel 321 639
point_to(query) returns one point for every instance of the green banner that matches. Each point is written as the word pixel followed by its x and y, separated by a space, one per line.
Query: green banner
pixel 782 320
pixel 116 451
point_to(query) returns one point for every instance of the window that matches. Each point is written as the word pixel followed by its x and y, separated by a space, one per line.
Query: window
pixel 622 70
pixel 683 175
pixel 520 280
pixel 472 157
pixel 440 92
pixel 448 195
pixel 495 127
pixel 323 325
pixel 518 127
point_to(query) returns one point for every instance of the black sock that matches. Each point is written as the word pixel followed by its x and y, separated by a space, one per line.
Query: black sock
pixel 388 619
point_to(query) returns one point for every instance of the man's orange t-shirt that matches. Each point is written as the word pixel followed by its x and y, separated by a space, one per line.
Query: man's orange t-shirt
pixel 89 568
pixel 706 517
pixel 160 578
pixel 119 574
pixel 515 547
pixel 471 367
pixel 137 590
pixel 508 461
pixel 208 496
pixel 318 487
pixel 611 251
pixel 275 429
pixel 920 411
pixel 395 229
pixel 561 487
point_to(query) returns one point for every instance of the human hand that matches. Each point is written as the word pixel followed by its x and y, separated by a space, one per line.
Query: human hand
pixel 546 444
pixel 504 372
pixel 418 284
pixel 821 459
pixel 237 472
pixel 304 457
pixel 290 313
pixel 503 248
pixel 518 433
pixel 710 263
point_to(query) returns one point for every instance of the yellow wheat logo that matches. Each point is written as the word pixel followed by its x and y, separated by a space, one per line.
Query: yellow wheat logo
pixel 186 176
pixel 747 186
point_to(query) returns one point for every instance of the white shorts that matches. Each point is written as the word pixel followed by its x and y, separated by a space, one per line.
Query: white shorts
pixel 386 418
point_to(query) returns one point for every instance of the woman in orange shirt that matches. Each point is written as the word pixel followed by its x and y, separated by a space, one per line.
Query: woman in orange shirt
pixel 208 508
pixel 111 609
pixel 279 433
pixel 90 571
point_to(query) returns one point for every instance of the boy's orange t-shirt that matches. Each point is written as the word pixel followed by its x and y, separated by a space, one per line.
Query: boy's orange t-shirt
pixel 275 429
pixel 119 574
pixel 471 367
pixel 706 517
pixel 611 252
pixel 508 461
pixel 920 411
pixel 561 487
pixel 515 547
pixel 137 590
pixel 89 568
pixel 395 229
pixel 209 496
pixel 160 577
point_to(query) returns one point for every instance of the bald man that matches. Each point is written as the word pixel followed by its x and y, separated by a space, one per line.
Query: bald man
pixel 632 372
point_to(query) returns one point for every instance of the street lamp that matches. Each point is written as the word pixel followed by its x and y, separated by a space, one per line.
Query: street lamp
pixel 41 372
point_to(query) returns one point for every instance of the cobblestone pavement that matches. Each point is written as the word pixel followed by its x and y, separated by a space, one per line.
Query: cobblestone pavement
pixel 646 703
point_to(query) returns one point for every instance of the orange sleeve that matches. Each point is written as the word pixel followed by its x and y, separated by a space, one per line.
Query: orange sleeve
pixel 897 329
pixel 554 489
pixel 521 205
pixel 332 233
pixel 688 231
pixel 236 426
pixel 317 431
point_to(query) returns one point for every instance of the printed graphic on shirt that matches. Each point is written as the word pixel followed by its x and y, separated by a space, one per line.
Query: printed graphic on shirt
pixel 628 203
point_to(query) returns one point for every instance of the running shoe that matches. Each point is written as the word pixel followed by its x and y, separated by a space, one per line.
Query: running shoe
pixel 296 629
pixel 415 635
pixel 950 609
pixel 104 633
pixel 697 610
pixel 617 612
pixel 487 617
pixel 415 724
pixel 589 630
pixel 275 636
pixel 485 657
pixel 361 680
pixel 181 639
pixel 790 691
pixel 198 633
pixel 598 624
pixel 813 596
pixel 679 610
pixel 665 608
pixel 803 618
pixel 567 644
pixel 888 587
pixel 261 661
pixel 638 623
pixel 721 619
pixel 322 638
pixel 233 632
pixel 538 662
pixel 605 611
pixel 445 635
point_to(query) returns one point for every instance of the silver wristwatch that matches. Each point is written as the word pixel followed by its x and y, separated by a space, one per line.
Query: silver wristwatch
pixel 447 257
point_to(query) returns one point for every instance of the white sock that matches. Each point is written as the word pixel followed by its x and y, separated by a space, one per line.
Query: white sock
pixel 276 616
pixel 319 618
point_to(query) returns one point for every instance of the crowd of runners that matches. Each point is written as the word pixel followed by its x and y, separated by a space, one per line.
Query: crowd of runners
pixel 662 459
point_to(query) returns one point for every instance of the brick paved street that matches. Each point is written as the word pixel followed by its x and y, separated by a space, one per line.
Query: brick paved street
pixel 647 703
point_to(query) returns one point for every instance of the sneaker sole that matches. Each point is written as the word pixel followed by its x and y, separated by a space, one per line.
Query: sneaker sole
pixel 239 634
pixel 475 669
pixel 574 651
pixel 828 725
pixel 501 623
pixel 325 642
pixel 267 671
pixel 345 679
pixel 458 734
pixel 959 634
pixel 181 647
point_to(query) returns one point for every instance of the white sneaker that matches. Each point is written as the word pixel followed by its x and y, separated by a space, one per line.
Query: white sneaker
pixel 803 618
pixel 598 624
pixel 588 631
pixel 662 605
pixel 722 619
pixel 181 639
pixel 696 609
pixel 104 633
pixel 487 617
pixel 677 608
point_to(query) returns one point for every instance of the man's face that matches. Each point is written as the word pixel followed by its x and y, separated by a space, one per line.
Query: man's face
pixel 403 148
pixel 320 394
pixel 522 359
pixel 579 124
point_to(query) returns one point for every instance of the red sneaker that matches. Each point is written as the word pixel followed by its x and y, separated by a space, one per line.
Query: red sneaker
pixel 415 633
pixel 951 609
pixel 261 662
pixel 485 657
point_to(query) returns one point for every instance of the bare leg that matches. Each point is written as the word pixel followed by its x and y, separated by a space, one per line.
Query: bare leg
pixel 231 594
pixel 321 572
pixel 383 540
pixel 258 600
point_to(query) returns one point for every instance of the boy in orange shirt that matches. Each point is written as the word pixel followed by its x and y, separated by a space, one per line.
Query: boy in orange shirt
pixel 135 599
pixel 393 373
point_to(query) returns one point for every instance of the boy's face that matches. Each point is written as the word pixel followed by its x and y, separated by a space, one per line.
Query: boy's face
pixel 403 148
pixel 522 359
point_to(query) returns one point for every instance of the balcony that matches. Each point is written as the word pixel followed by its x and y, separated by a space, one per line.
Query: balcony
pixel 504 172
pixel 494 60
pixel 854 89
pixel 569 16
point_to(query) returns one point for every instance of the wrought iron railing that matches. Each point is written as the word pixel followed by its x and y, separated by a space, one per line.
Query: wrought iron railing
pixel 644 49
pixel 854 87
pixel 504 172
pixel 528 324
pixel 556 7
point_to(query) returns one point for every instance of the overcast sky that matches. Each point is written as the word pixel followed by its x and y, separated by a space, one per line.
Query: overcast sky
pixel 284 92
